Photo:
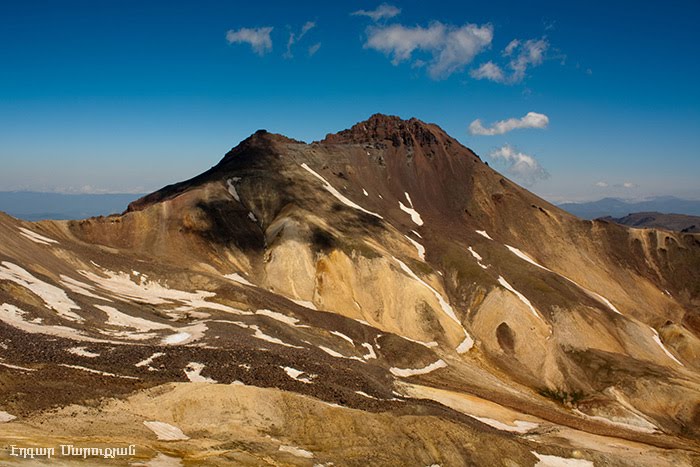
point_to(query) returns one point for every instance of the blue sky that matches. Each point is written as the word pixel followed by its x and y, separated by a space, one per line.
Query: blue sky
pixel 127 96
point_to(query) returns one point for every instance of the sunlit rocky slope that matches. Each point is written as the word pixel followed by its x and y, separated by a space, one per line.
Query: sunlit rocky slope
pixel 381 297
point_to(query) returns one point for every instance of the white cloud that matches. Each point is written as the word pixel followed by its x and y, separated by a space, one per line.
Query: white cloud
pixel 488 70
pixel 450 47
pixel 508 51
pixel 313 49
pixel 383 11
pixel 307 27
pixel 531 54
pixel 258 38
pixel 523 56
pixel 530 120
pixel 627 185
pixel 294 38
pixel 522 166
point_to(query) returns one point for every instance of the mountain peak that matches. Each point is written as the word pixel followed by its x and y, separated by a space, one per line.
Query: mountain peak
pixel 259 144
pixel 379 128
pixel 263 138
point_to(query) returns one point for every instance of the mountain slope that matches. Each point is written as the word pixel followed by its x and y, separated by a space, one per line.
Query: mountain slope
pixel 385 270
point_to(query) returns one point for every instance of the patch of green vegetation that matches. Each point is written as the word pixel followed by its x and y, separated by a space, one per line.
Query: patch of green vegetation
pixel 364 250
pixel 563 397
pixel 542 287
pixel 456 259
pixel 325 242
pixel 322 240
pixel 357 247
pixel 419 267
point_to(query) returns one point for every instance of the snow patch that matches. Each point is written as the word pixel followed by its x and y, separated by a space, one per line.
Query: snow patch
pixel 13 316
pixel 166 432
pixel 153 293
pixel 556 461
pixel 598 297
pixel 475 254
pixel 278 317
pixel 149 360
pixel 605 301
pixel 193 371
pixel 252 217
pixel 117 318
pixel 337 194
pixel 178 338
pixel 53 297
pixel 405 373
pixel 657 339
pixel 642 425
pixel 364 192
pixel 16 367
pixel 429 345
pixel 466 344
pixel 36 238
pixel 443 303
pixel 298 452
pixel 335 354
pixel 484 234
pixel 370 351
pixel 419 247
pixel 97 372
pixel 518 426
pixel 143 328
pixel 478 257
pixel 238 278
pixel 82 352
pixel 262 336
pixel 620 397
pixel 296 375
pixel 415 216
pixel 525 257
pixel 6 417
pixel 522 297
pixel 343 336
pixel 81 288
pixel 232 188
pixel 364 394
pixel 305 304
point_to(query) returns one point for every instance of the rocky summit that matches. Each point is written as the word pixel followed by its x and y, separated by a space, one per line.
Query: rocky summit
pixel 381 297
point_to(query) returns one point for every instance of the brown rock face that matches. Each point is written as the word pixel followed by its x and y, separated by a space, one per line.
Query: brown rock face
pixel 379 128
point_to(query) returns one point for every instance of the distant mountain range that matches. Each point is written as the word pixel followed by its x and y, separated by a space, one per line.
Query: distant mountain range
pixel 616 207
pixel 657 220
pixel 34 206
